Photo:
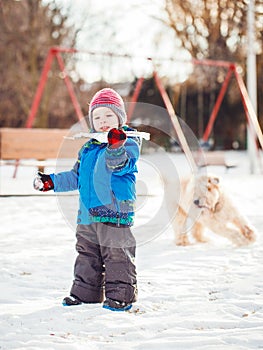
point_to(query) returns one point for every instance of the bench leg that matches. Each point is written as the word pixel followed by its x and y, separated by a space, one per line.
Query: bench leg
pixel 16 168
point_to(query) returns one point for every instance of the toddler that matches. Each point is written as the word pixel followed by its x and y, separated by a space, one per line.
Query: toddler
pixel 104 175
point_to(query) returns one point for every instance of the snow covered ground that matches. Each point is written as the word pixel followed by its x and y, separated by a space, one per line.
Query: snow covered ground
pixel 205 297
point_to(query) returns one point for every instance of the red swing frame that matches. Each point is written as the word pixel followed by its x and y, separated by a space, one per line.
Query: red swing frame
pixel 232 70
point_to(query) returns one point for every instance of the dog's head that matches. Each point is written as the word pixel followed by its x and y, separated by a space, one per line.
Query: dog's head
pixel 207 192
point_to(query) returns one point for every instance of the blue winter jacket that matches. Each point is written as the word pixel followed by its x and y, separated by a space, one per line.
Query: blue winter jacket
pixel 106 181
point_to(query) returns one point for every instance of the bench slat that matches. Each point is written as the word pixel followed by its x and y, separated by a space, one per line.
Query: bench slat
pixel 210 158
pixel 19 143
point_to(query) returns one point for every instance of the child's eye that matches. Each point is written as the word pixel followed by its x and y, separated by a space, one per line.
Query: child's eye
pixel 109 115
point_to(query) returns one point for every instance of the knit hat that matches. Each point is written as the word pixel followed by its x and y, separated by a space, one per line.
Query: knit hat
pixel 108 98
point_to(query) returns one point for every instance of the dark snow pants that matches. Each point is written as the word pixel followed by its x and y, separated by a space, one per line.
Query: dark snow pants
pixel 105 264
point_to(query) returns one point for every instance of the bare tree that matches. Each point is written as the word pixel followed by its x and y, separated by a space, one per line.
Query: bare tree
pixel 28 30
pixel 214 29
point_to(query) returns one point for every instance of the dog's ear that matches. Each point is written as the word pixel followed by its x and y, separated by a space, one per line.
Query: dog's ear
pixel 214 180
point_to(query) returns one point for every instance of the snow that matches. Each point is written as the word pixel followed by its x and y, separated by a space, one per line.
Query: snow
pixel 204 296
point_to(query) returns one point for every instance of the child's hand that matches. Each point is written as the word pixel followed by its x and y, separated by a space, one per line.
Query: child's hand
pixel 116 138
pixel 43 182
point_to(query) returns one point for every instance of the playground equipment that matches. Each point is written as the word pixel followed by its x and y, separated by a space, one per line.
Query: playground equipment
pixel 231 70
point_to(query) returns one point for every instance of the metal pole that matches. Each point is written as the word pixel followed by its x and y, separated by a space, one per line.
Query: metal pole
pixel 134 98
pixel 249 110
pixel 251 81
pixel 175 122
pixel 69 87
pixel 217 104
pixel 40 89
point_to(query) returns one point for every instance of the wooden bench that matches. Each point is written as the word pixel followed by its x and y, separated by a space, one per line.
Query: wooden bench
pixel 213 158
pixel 32 147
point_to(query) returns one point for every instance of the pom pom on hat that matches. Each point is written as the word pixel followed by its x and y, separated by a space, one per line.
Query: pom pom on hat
pixel 108 98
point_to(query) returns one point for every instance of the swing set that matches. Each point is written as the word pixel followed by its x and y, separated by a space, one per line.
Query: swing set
pixel 231 70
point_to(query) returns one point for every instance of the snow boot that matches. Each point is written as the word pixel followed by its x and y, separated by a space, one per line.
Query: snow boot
pixel 115 305
pixel 71 300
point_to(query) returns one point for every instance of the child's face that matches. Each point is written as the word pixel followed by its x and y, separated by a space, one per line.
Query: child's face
pixel 104 119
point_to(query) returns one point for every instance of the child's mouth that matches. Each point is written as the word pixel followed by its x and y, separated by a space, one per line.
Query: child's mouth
pixel 104 128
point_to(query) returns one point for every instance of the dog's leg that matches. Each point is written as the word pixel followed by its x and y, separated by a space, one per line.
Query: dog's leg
pixel 198 232
pixel 249 233
pixel 246 230
pixel 230 232
pixel 179 228
pixel 232 224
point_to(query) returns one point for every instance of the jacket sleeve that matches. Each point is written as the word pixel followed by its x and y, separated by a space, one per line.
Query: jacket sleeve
pixel 67 180
pixel 122 160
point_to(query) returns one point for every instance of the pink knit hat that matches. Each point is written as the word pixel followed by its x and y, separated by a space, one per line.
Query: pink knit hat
pixel 108 98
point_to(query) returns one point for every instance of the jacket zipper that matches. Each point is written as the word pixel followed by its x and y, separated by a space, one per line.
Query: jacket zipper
pixel 91 171
pixel 117 208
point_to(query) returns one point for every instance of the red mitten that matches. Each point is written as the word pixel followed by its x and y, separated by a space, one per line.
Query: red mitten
pixel 116 138
pixel 43 182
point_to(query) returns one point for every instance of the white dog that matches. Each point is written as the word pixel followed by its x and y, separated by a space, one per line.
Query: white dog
pixel 205 204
